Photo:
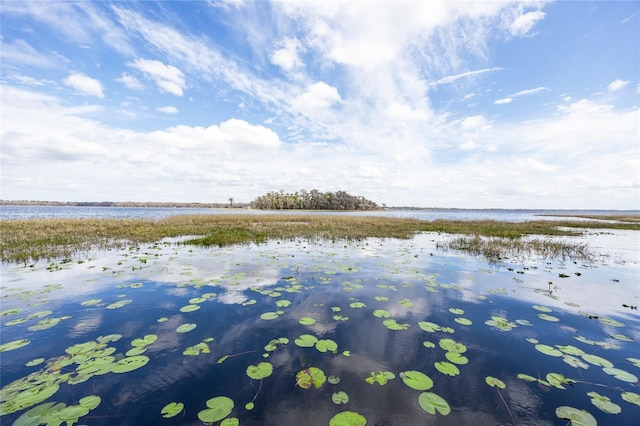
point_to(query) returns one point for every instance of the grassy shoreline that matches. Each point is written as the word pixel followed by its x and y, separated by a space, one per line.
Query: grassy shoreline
pixel 31 240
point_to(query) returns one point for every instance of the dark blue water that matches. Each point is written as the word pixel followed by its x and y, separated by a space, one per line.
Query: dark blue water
pixel 34 212
pixel 412 280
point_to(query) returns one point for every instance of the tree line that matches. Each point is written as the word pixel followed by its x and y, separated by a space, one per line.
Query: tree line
pixel 312 200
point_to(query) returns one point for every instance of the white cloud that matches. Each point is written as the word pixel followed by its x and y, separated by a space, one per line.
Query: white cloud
pixel 84 85
pixel 318 96
pixel 287 56
pixel 167 109
pixel 168 78
pixel 526 92
pixel 616 85
pixel 130 81
pixel 519 23
pixel 503 101
pixel 451 78
pixel 19 52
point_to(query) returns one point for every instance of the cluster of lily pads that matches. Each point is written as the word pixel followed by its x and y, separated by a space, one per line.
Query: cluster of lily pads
pixel 95 358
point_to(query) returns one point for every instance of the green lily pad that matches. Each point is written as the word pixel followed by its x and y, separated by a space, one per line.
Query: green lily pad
pixel 306 341
pixel 172 409
pixel 129 364
pixel 260 371
pixel 307 321
pixel 526 377
pixel 577 417
pixel 456 311
pixel 380 377
pixel 451 345
pixel 324 345
pixel 610 321
pixel 447 368
pixel 431 402
pixel 548 350
pixel 283 303
pixel 456 358
pixel 604 403
pixel 569 349
pixel 542 308
pixel 185 328
pixel 549 318
pixel 13 345
pixel 634 361
pixel 145 341
pixel 269 316
pixel 35 362
pixel 219 408
pixel 348 418
pixel 619 374
pixel 381 313
pixel 391 324
pixel 340 397
pixel 622 337
pixel 501 323
pixel 334 380
pixel 311 376
pixel 631 397
pixel 557 380
pixel 597 360
pixel 91 302
pixel 72 413
pixel 428 344
pixel 416 380
pixel 429 326
pixel 189 308
pixel 495 382
pixel 230 421
pixel 575 362
pixel 109 338
pixel 10 312
pixel 196 349
pixel 357 305
pixel 524 322
pixel 91 401
pixel 463 321
pixel 119 304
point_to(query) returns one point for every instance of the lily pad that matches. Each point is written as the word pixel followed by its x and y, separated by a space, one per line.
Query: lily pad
pixel 324 345
pixel 576 416
pixel 610 321
pixel 619 374
pixel 307 321
pixel 495 382
pixel 219 408
pixel 380 377
pixel 463 321
pixel 311 376
pixel 456 358
pixel 13 345
pixel 340 397
pixel 260 371
pixel 416 380
pixel 604 403
pixel 631 397
pixel 549 318
pixel 348 418
pixel 456 311
pixel 269 316
pixel 542 308
pixel 451 345
pixel 381 313
pixel 129 364
pixel 185 328
pixel 189 308
pixel 548 350
pixel 145 341
pixel 597 360
pixel 447 368
pixel 306 341
pixel 431 402
pixel 230 421
pixel 391 324
pixel 429 326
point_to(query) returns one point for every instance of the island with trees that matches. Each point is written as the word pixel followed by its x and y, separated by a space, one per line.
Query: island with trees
pixel 312 200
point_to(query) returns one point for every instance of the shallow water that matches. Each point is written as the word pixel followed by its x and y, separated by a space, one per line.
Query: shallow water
pixel 340 285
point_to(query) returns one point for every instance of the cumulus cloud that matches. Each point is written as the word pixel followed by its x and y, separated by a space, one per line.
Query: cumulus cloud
pixel 316 97
pixel 130 81
pixel 84 85
pixel 167 109
pixel 286 57
pixel 616 85
pixel 168 78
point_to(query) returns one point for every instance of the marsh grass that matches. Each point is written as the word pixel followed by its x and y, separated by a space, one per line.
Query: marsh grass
pixel 31 240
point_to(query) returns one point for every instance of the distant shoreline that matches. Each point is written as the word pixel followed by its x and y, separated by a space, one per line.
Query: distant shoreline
pixel 238 205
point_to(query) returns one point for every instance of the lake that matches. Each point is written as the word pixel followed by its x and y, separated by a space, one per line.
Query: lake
pixel 382 331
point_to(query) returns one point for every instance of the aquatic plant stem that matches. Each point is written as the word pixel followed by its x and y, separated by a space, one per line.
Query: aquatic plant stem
pixel 505 404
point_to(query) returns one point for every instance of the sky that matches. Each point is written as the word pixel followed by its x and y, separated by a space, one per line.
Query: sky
pixel 531 105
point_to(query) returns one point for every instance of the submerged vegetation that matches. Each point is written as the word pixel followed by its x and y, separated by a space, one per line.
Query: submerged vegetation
pixel 40 239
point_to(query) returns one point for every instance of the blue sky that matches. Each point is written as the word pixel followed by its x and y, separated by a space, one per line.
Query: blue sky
pixel 450 104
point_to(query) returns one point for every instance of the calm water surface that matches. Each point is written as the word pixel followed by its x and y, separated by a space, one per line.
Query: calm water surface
pixel 35 212
pixel 351 291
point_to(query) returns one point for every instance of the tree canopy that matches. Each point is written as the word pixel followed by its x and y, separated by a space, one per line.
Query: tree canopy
pixel 312 200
